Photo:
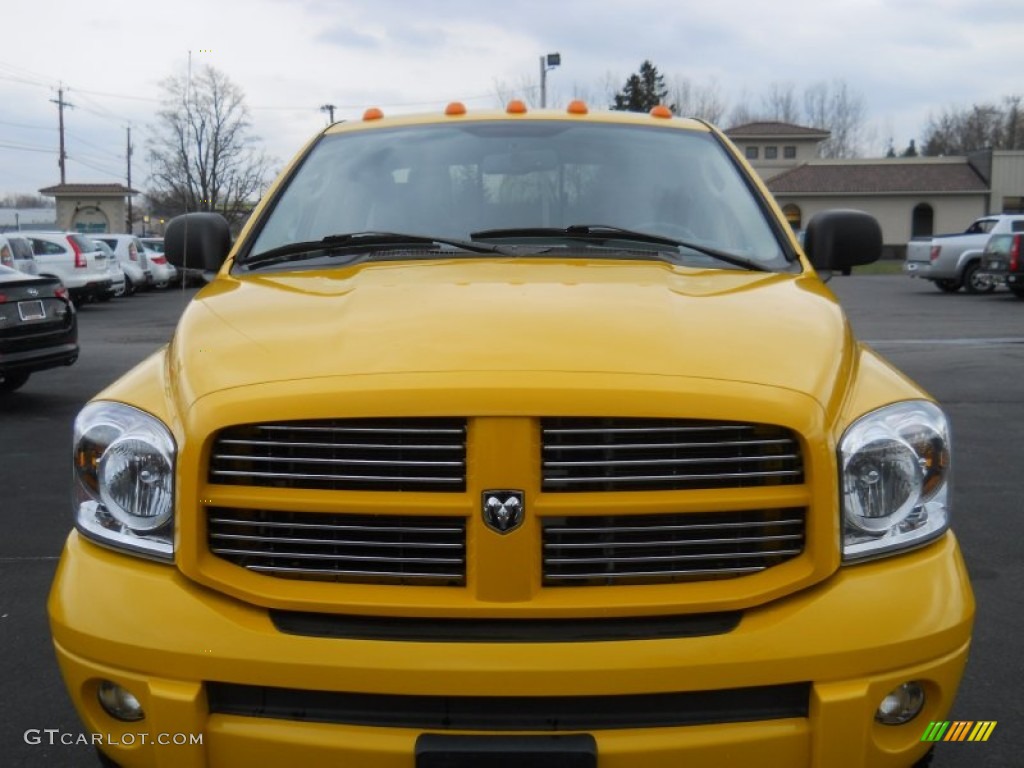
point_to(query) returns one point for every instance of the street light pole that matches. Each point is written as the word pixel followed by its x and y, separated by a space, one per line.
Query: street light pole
pixel 547 63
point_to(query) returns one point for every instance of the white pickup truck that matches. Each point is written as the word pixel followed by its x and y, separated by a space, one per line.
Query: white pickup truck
pixel 952 262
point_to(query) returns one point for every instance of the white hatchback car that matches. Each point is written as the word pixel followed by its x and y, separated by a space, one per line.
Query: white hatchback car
pixel 76 260
pixel 118 277
pixel 133 259
pixel 164 273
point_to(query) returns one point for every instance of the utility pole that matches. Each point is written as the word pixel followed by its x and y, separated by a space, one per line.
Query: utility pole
pixel 60 112
pixel 329 109
pixel 128 155
pixel 548 62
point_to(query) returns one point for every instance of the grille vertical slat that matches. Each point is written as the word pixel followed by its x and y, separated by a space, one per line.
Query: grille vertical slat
pixel 385 549
pixel 422 454
pixel 611 454
pixel 652 549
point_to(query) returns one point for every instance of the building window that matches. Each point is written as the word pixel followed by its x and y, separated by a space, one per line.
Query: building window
pixel 793 215
pixel 1013 205
pixel 752 153
pixel 789 153
pixel 771 153
pixel 922 221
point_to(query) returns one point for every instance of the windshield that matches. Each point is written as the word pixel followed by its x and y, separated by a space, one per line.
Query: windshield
pixel 469 179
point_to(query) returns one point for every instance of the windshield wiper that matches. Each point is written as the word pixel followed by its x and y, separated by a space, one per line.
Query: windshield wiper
pixel 361 242
pixel 602 233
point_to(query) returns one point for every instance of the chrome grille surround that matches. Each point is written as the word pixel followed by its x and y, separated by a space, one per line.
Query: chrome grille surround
pixel 621 454
pixel 663 548
pixel 379 549
pixel 400 454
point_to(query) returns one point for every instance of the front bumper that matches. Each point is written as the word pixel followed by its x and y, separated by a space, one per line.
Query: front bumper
pixel 851 640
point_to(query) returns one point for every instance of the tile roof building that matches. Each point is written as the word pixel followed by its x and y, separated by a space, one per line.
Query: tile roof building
pixel 910 197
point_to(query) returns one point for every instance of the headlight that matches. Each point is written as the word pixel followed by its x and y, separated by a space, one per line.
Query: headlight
pixel 124 479
pixel 894 465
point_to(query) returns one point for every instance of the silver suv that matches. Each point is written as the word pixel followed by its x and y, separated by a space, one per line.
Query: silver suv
pixel 16 253
pixel 76 260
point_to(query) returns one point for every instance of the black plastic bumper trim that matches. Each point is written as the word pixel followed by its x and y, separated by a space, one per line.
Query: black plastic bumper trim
pixel 503 630
pixel 512 713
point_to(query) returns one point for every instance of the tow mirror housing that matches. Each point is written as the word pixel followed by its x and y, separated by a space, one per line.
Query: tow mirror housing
pixel 841 239
pixel 197 241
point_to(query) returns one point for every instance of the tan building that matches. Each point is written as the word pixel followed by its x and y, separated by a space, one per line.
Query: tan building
pixel 776 147
pixel 910 197
pixel 91 207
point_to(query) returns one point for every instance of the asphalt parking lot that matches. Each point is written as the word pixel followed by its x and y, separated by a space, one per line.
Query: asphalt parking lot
pixel 968 351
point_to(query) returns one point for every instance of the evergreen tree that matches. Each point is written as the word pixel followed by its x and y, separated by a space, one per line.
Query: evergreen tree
pixel 911 150
pixel 643 90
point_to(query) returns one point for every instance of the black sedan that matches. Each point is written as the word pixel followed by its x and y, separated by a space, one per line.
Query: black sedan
pixel 38 328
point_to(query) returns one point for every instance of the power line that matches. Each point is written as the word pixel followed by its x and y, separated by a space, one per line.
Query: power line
pixel 40 78
pixel 94 167
pixel 24 148
pixel 96 147
pixel 29 126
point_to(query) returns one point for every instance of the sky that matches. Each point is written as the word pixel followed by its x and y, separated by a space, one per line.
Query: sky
pixel 909 60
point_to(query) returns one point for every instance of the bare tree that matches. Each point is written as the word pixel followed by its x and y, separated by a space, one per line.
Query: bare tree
pixel 981 126
pixel 526 89
pixel 742 113
pixel 702 101
pixel 202 154
pixel 839 110
pixel 27 201
pixel 780 104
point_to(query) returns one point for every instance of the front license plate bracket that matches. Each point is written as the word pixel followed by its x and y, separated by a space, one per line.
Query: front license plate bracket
pixel 435 750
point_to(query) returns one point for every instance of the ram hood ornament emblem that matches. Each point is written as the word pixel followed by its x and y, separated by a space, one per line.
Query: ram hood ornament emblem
pixel 503 510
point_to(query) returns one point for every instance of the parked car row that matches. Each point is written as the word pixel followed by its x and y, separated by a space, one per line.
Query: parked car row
pixel 957 261
pixel 43 275
pixel 91 267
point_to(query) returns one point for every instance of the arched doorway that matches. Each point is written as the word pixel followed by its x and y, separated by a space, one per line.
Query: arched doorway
pixel 90 218
pixel 922 221
pixel 793 215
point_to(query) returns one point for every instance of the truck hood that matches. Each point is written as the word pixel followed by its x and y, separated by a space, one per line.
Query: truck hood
pixel 444 316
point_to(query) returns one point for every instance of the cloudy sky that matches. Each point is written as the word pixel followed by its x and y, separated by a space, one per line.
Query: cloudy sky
pixel 908 59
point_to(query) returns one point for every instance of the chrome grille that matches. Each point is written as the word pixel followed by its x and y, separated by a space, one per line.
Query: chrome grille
pixel 594 454
pixel 385 549
pixel 353 454
pixel 652 549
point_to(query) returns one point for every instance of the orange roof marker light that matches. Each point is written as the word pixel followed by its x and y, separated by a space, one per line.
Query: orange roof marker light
pixel 661 111
pixel 455 108
pixel 516 107
pixel 373 113
pixel 577 107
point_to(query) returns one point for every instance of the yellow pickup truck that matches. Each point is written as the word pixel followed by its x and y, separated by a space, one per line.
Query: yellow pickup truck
pixel 514 437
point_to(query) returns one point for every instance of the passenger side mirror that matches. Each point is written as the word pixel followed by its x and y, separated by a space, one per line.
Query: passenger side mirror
pixel 197 241
pixel 841 239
